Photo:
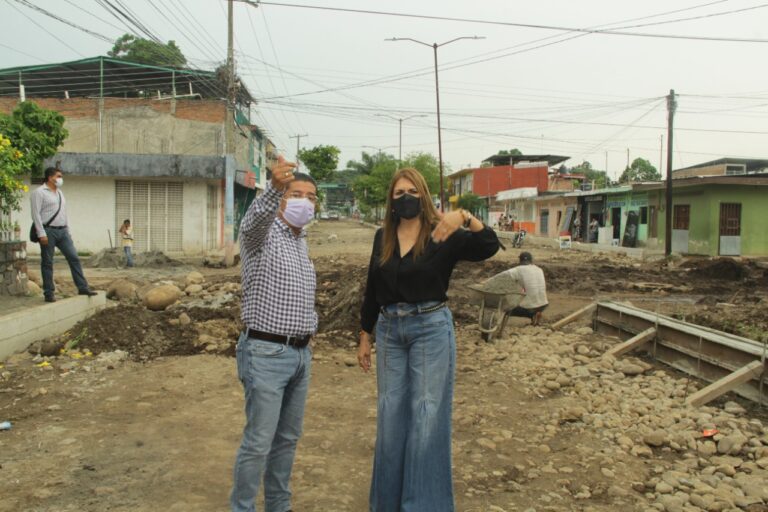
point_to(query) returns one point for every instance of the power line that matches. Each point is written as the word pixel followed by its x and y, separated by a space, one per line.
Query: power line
pixel 517 24
pixel 59 18
pixel 45 30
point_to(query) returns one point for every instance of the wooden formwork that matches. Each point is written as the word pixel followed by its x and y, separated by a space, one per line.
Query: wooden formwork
pixel 730 362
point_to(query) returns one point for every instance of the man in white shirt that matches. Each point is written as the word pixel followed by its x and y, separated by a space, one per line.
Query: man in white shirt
pixel 531 279
pixel 49 212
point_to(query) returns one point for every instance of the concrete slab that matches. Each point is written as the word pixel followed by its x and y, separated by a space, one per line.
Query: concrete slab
pixel 24 325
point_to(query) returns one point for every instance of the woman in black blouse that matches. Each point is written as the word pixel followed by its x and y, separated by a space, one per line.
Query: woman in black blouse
pixel 411 264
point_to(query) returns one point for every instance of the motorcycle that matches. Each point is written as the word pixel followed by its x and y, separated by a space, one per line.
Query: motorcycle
pixel 519 238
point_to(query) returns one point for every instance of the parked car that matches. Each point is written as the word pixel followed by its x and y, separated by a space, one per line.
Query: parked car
pixel 332 215
pixel 323 215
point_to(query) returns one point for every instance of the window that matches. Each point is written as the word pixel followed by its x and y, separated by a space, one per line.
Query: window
pixel 681 216
pixel 643 215
pixel 734 169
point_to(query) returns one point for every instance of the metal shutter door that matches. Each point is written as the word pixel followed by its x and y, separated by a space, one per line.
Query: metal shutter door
pixel 140 218
pixel 212 217
pixel 175 217
pixel 122 208
pixel 157 216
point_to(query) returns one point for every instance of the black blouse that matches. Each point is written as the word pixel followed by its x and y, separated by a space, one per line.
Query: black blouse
pixel 424 279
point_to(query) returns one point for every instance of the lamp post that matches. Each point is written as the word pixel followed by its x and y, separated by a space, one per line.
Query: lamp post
pixel 434 47
pixel 400 138
pixel 379 149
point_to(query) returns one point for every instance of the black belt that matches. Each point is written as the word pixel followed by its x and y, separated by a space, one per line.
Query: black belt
pixel 292 341
pixel 56 227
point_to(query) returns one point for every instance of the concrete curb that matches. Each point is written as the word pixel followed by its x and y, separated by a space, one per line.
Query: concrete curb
pixel 20 329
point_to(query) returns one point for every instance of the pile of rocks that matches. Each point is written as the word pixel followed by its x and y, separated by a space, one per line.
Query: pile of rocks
pixel 638 413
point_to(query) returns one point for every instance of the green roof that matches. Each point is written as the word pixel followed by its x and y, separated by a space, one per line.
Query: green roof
pixel 111 77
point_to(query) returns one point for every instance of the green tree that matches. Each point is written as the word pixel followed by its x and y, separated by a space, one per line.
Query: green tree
pixel 143 51
pixel 599 178
pixel 367 162
pixel 640 170
pixel 471 202
pixel 321 161
pixel 11 172
pixel 36 132
pixel 511 152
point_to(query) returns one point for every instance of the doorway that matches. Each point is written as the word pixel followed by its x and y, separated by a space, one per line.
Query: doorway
pixel 730 229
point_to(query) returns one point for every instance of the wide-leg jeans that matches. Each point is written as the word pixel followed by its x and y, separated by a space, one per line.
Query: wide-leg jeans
pixel 275 378
pixel 415 365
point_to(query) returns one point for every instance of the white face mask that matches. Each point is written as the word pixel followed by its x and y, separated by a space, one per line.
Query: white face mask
pixel 59 182
pixel 298 212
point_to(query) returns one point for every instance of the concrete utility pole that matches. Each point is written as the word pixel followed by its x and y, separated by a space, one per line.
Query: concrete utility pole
pixel 671 107
pixel 229 149
pixel 434 47
pixel 298 147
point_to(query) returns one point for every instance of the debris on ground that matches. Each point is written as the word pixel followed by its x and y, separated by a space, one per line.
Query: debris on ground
pixel 114 258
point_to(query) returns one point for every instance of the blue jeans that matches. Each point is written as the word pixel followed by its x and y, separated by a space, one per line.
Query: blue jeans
pixel 128 250
pixel 60 238
pixel 275 378
pixel 415 362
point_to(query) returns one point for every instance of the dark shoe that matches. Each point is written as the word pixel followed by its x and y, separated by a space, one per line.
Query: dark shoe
pixel 89 293
pixel 50 298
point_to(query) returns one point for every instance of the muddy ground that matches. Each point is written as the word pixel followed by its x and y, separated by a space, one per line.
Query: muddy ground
pixel 143 412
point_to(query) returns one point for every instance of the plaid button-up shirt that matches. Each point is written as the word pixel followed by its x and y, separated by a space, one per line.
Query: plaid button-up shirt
pixel 278 278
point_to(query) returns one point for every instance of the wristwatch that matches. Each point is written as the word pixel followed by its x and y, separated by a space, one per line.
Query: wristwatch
pixel 467 218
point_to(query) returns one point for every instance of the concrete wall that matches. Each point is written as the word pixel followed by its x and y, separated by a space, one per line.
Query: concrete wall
pixel 91 212
pixel 711 170
pixel 704 233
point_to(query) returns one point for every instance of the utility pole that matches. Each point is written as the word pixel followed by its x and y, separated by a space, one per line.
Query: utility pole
pixel 229 143
pixel 298 147
pixel 671 107
pixel 627 158
pixel 400 138
pixel 607 178
pixel 661 152
pixel 434 47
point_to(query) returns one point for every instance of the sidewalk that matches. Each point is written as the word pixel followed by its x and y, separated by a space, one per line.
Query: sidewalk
pixel 640 253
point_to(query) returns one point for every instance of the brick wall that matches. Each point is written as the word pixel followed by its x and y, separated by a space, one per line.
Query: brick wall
pixel 492 180
pixel 208 111
pixel 13 264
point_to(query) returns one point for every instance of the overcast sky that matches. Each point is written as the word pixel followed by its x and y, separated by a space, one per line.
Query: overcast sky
pixel 588 96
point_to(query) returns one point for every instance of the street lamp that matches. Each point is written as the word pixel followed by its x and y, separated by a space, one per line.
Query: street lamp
pixel 434 47
pixel 400 120
pixel 379 149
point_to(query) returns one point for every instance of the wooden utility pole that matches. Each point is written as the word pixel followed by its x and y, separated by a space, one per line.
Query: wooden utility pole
pixel 671 107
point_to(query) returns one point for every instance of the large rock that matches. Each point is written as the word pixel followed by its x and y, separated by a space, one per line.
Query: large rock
pixel 121 289
pixel 34 276
pixel 160 297
pixel 33 289
pixel 193 289
pixel 195 278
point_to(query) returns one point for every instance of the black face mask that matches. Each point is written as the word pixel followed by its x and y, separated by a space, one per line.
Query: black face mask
pixel 406 207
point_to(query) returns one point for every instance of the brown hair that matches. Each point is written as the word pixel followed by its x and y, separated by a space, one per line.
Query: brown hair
pixel 428 216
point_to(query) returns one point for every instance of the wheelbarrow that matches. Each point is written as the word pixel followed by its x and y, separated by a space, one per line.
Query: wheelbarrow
pixel 498 295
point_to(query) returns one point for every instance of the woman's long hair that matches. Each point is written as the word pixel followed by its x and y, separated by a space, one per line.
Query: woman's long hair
pixel 428 216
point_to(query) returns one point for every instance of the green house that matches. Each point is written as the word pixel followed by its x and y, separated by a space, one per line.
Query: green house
pixel 711 215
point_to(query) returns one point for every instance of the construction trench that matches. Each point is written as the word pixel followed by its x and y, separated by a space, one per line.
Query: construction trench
pixel 598 412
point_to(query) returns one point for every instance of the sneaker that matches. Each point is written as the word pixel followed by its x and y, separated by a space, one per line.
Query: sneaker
pixel 50 298
pixel 87 292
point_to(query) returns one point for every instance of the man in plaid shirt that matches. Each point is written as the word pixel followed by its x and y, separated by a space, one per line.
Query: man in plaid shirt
pixel 273 355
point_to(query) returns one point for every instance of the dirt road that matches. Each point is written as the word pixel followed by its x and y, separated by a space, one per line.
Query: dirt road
pixel 541 420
